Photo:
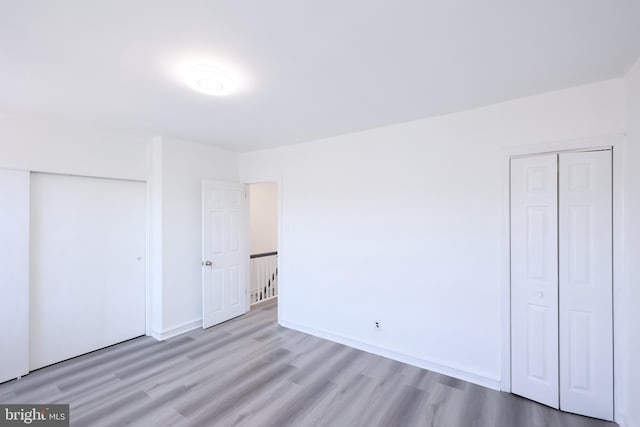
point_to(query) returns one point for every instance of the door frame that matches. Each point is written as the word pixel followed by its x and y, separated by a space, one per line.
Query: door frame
pixel 278 182
pixel 620 287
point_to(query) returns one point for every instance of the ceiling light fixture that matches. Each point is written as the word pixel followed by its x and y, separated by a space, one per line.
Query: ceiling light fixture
pixel 209 80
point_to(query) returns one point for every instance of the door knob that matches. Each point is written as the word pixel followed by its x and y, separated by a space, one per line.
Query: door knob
pixel 207 263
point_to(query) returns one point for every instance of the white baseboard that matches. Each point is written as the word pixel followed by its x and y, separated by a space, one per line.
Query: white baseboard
pixel 410 360
pixel 624 422
pixel 155 334
pixel 177 330
pixel 264 300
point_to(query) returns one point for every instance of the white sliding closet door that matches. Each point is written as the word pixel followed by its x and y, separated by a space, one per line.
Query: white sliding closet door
pixel 87 265
pixel 14 274
pixel 534 278
pixel 586 312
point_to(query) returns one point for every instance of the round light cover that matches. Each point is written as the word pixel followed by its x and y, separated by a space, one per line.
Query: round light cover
pixel 209 80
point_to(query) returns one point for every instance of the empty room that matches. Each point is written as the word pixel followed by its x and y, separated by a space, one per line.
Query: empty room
pixel 320 213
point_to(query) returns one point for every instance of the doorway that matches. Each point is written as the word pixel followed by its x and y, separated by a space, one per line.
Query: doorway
pixel 561 280
pixel 263 243
pixel 240 235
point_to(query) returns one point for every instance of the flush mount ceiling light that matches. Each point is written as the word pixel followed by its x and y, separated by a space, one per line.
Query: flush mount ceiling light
pixel 209 80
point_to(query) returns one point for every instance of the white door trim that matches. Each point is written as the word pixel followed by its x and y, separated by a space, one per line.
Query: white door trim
pixel 281 275
pixel 620 286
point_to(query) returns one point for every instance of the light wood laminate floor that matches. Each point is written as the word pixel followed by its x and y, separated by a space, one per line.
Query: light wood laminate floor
pixel 252 372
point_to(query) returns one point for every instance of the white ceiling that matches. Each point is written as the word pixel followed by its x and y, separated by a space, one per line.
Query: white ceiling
pixel 307 69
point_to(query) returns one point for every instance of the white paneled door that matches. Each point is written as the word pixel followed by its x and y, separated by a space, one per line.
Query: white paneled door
pixel 534 278
pixel 586 304
pixel 88 243
pixel 224 252
pixel 561 281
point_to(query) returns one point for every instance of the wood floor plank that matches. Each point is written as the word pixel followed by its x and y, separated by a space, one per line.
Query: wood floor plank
pixel 251 372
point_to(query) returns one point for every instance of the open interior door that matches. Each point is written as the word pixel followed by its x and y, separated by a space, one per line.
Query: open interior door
pixel 224 252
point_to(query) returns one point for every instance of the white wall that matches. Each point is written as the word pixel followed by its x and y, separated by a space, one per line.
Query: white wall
pixel 263 218
pixel 183 167
pixel 68 148
pixel 403 224
pixel 633 243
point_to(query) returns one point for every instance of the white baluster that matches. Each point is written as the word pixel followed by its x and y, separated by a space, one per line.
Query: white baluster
pixel 263 271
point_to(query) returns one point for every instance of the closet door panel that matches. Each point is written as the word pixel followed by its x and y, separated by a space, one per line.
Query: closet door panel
pixel 585 272
pixel 534 278
pixel 14 274
pixel 88 242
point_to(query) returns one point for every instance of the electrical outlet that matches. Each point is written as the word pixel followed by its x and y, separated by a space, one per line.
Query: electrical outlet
pixel 378 324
